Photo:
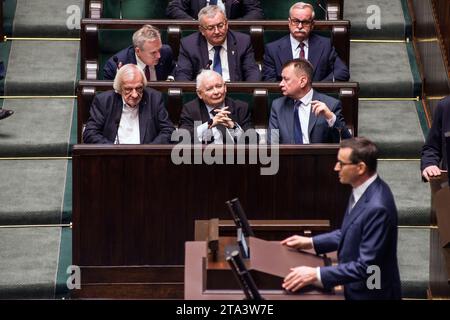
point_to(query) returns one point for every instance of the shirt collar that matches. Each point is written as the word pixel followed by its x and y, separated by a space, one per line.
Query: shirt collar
pixel 209 108
pixel 359 191
pixel 295 42
pixel 140 63
pixel 211 47
pixel 307 98
pixel 126 107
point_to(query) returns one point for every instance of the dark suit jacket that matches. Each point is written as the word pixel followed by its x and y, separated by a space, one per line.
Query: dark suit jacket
pixel 194 57
pixel 196 110
pixel 368 237
pixel 235 9
pixel 322 56
pixel 434 150
pixel 106 110
pixel 163 69
pixel 282 118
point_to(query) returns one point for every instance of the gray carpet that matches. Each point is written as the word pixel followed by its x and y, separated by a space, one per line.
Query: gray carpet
pixel 393 125
pixel 56 20
pixel 28 262
pixel 413 260
pixel 42 68
pixel 392 21
pixel 32 191
pixel 382 70
pixel 412 197
pixel 39 127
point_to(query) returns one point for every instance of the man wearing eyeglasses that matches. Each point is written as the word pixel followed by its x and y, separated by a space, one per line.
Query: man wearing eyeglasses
pixel 215 47
pixel 367 240
pixel 147 51
pixel 129 114
pixel 302 43
pixel 234 9
pixel 223 120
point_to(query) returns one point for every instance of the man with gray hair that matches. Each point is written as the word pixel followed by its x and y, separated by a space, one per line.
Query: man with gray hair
pixel 215 47
pixel 147 51
pixel 129 114
pixel 302 43
pixel 219 115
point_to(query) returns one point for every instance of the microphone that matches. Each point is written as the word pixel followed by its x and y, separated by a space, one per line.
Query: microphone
pixel 208 65
pixel 120 10
pixel 319 3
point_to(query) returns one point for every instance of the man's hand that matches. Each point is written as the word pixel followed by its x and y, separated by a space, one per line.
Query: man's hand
pixel 431 171
pixel 222 118
pixel 320 108
pixel 299 277
pixel 298 242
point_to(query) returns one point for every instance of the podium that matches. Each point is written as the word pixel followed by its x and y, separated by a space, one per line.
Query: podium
pixel 440 240
pixel 269 263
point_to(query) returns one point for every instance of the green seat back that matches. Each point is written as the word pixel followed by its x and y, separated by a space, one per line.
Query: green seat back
pixel 279 9
pixel 135 9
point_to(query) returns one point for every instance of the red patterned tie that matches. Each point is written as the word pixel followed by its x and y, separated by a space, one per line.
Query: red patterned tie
pixel 302 50
pixel 147 73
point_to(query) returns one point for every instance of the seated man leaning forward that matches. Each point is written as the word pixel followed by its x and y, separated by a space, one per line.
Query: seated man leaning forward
pixel 303 115
pixel 218 114
pixel 129 114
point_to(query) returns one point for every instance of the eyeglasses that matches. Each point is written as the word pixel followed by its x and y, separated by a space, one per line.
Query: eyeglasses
pixel 219 26
pixel 296 22
pixel 139 90
pixel 343 164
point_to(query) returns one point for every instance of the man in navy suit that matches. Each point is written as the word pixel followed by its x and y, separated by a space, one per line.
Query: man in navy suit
pixel 303 115
pixel 367 241
pixel 215 111
pixel 215 47
pixel 235 9
pixel 301 43
pixel 129 114
pixel 147 51
pixel 434 150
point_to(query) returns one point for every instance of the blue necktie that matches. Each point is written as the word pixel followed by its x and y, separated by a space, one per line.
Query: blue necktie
pixel 213 2
pixel 298 136
pixel 217 66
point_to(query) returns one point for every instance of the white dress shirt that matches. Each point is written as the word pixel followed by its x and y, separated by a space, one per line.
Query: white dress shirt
pixel 128 132
pixel 223 59
pixel 304 112
pixel 142 66
pixel 295 48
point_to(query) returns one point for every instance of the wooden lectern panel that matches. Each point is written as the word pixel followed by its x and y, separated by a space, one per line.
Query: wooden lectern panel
pixel 269 263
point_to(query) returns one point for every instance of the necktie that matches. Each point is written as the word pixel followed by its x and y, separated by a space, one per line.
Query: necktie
pixel 147 73
pixel 212 2
pixel 351 203
pixel 302 50
pixel 298 136
pixel 217 66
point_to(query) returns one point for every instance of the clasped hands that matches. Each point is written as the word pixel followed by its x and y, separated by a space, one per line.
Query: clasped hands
pixel 301 276
pixel 222 117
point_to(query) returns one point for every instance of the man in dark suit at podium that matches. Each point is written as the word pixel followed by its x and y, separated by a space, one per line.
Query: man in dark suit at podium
pixel 434 150
pixel 367 240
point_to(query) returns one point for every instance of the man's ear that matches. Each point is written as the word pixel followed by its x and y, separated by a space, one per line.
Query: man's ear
pixel 199 95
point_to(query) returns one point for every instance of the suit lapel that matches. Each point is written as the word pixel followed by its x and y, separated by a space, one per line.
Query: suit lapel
pixel 116 115
pixel 288 118
pixel 144 116
pixel 201 112
pixel 159 71
pixel 203 51
pixel 228 4
pixel 285 50
pixel 232 54
pixel 314 51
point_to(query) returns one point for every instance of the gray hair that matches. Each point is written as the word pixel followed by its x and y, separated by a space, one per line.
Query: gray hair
pixel 210 11
pixel 205 74
pixel 146 33
pixel 302 5
pixel 128 70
